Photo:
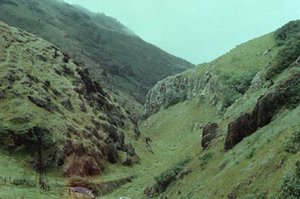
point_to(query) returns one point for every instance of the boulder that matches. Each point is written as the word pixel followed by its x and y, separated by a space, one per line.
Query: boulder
pixel 208 134
pixel 82 166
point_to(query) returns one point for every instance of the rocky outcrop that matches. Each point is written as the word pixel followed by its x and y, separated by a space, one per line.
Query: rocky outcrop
pixel 208 134
pixel 184 86
pixel 285 94
pixel 45 95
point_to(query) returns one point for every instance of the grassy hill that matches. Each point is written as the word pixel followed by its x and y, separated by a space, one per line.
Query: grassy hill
pixel 261 164
pixel 251 94
pixel 55 119
pixel 120 60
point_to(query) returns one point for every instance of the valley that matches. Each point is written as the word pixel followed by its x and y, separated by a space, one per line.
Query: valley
pixel 92 111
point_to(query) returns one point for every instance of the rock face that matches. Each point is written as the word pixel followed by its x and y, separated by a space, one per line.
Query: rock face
pixel 178 88
pixel 44 94
pixel 285 94
pixel 208 134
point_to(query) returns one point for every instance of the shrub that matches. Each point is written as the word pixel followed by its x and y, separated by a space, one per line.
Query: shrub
pixel 287 31
pixel 288 38
pixel 168 176
pixel 204 159
pixel 250 153
pixel 23 182
pixel 290 188
pixel 293 144
pixel 235 86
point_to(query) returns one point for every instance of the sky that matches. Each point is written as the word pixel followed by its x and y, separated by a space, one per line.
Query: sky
pixel 197 30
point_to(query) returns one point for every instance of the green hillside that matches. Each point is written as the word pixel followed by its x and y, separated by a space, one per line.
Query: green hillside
pixel 120 60
pixel 225 129
pixel 261 165
pixel 55 119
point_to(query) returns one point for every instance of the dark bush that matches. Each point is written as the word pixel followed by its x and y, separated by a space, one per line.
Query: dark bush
pixel 165 179
pixel 23 182
pixel 293 144
pixel 235 86
pixel 287 31
pixel 290 188
pixel 204 159
pixel 288 37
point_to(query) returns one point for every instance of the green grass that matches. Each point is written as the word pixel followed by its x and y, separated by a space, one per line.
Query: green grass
pixel 172 136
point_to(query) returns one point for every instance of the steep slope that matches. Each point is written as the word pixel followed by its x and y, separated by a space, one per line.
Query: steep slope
pixel 117 58
pixel 53 115
pixel 256 141
pixel 220 82
pixel 232 162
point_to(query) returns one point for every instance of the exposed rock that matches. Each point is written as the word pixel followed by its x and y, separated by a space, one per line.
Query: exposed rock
pixel 130 149
pixel 81 192
pixel 256 82
pixel 74 140
pixel 208 134
pixel 42 103
pixel 88 82
pixel 287 93
pixel 66 57
pixel 131 160
pixel 82 166
pixel 41 58
pixel 183 173
pixel 110 152
pixel 32 78
pixel 121 141
pixel 136 131
pixel 100 188
pixel 67 104
pixel 178 88
pixel 2 95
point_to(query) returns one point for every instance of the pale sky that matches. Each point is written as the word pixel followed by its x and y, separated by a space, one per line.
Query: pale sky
pixel 197 30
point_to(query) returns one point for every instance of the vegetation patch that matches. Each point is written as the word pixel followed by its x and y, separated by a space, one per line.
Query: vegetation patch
pixel 205 158
pixel 99 188
pixel 165 179
pixel 235 86
pixel 290 188
pixel 288 38
pixel 293 144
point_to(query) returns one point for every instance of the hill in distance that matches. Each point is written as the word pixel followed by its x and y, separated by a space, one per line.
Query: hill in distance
pixel 117 58
pixel 225 129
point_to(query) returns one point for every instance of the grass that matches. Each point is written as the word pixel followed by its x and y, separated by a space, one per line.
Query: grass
pixel 171 133
pixel 257 164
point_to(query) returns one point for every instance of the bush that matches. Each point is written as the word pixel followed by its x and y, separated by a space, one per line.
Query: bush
pixel 293 144
pixel 288 37
pixel 204 159
pixel 235 86
pixel 168 176
pixel 250 153
pixel 290 188
pixel 23 182
pixel 287 31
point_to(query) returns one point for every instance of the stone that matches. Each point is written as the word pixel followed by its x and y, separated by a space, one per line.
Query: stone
pixel 82 166
pixel 110 152
pixel 67 104
pixel 42 103
pixel 209 132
